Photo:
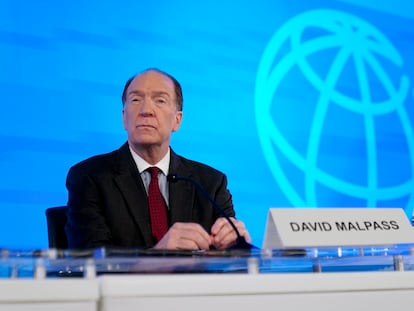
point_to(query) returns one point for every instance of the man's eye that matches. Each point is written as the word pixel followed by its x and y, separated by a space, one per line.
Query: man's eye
pixel 135 100
pixel 161 101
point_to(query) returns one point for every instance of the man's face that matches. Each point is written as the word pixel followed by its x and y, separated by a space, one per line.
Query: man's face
pixel 150 112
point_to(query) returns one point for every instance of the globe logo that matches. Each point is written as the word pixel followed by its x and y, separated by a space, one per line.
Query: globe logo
pixel 330 103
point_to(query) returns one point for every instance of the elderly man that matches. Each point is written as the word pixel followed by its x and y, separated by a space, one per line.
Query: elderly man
pixel 112 201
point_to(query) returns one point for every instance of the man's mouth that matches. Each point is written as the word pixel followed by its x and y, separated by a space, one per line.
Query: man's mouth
pixel 146 126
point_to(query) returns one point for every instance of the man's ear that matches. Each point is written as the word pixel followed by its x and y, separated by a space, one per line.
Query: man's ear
pixel 178 119
pixel 124 118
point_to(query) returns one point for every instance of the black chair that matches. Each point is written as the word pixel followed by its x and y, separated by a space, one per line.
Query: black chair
pixel 56 221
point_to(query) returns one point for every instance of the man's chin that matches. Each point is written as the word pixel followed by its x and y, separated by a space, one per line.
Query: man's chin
pixel 144 142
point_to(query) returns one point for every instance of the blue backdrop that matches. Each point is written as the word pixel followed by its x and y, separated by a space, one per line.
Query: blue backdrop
pixel 300 103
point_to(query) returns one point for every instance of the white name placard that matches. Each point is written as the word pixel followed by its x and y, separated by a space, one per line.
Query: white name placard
pixel 327 227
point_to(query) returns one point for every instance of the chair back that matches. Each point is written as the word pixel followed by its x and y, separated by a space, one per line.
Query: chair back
pixel 56 221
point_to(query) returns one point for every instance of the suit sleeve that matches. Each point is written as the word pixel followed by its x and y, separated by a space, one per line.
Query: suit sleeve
pixel 224 198
pixel 86 226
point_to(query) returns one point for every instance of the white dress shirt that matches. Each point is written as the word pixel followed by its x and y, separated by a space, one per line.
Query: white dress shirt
pixel 163 165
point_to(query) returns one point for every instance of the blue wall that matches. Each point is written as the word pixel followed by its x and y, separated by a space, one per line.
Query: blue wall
pixel 298 105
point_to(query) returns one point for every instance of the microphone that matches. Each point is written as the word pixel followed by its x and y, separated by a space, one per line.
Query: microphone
pixel 241 242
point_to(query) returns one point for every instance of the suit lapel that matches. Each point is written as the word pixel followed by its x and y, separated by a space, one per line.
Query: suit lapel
pixel 132 188
pixel 181 193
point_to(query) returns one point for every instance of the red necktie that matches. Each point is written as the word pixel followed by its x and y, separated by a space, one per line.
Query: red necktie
pixel 157 206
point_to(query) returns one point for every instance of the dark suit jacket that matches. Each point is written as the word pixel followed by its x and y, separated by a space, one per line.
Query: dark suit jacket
pixel 108 204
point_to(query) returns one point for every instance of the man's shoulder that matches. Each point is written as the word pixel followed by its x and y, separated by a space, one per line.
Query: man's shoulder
pixel 99 162
pixel 197 167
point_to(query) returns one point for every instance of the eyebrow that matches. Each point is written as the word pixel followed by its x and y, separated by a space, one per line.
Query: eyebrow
pixel 157 93
pixel 140 93
pixel 135 93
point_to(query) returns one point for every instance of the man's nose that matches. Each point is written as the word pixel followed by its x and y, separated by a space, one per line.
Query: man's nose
pixel 146 107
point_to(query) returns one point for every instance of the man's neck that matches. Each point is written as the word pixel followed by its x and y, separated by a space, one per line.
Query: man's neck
pixel 151 154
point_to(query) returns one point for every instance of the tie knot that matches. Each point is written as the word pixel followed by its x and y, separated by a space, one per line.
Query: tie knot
pixel 153 170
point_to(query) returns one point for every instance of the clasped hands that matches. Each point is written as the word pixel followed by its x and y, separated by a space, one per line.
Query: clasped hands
pixel 192 236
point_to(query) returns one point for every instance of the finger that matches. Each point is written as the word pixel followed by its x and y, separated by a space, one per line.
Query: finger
pixel 224 241
pixel 185 236
pixel 241 227
pixel 218 225
pixel 192 235
pixel 192 244
pixel 227 236
pixel 187 244
pixel 190 228
pixel 223 227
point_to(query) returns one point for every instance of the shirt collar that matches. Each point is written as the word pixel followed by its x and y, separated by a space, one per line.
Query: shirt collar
pixel 142 165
